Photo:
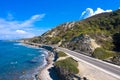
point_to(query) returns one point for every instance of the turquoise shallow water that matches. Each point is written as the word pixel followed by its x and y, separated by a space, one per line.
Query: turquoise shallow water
pixel 20 62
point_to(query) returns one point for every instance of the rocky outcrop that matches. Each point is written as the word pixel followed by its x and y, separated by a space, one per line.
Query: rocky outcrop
pixel 116 59
pixel 55 32
pixel 83 43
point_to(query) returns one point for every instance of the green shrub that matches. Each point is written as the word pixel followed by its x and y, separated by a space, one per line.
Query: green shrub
pixel 68 64
pixel 61 54
pixel 108 45
pixel 55 40
pixel 100 53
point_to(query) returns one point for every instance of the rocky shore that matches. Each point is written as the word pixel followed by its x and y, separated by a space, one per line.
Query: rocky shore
pixel 44 73
pixel 48 73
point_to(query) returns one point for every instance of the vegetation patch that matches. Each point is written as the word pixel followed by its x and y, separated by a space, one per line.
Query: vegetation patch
pixel 68 64
pixel 61 54
pixel 101 53
pixel 55 40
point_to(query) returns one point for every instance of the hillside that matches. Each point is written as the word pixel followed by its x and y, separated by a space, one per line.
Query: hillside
pixel 98 36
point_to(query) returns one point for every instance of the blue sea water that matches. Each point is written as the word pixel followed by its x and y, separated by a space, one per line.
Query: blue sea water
pixel 20 62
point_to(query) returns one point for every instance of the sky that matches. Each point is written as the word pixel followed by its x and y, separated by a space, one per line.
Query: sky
pixel 29 18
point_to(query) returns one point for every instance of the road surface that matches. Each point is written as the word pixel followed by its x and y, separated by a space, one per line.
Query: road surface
pixel 108 68
pixel 111 69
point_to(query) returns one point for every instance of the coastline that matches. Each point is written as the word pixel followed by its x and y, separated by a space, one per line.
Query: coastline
pixel 43 73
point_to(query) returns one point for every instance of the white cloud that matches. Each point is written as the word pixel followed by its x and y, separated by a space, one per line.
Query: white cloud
pixel 99 10
pixel 21 31
pixel 12 29
pixel 90 12
pixel 32 20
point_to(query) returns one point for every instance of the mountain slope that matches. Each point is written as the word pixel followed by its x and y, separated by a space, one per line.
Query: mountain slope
pixel 98 36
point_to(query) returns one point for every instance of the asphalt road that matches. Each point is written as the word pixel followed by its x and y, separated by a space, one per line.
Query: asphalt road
pixel 111 69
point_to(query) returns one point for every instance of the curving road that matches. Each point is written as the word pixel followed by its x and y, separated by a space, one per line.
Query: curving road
pixel 110 69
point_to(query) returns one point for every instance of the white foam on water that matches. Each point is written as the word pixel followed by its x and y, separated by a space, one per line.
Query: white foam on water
pixel 18 44
pixel 43 55
pixel 27 76
pixel 30 54
pixel 14 62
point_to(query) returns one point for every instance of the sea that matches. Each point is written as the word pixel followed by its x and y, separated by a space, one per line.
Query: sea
pixel 19 61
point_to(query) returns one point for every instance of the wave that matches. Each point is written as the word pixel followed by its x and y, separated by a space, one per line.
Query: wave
pixel 46 53
pixel 26 45
pixel 35 59
pixel 43 55
pixel 14 62
pixel 30 54
pixel 17 44
pixel 30 75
